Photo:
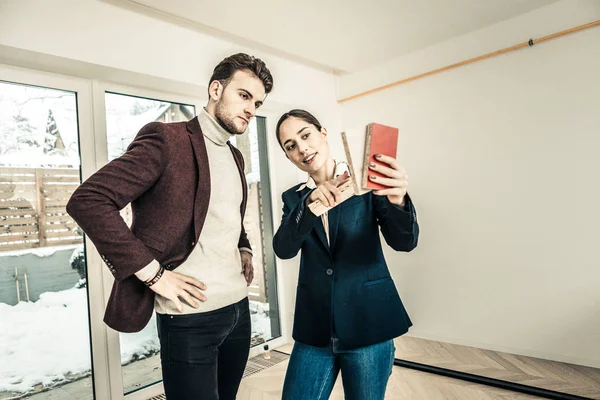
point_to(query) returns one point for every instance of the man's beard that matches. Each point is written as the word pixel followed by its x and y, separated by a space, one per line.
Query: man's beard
pixel 225 122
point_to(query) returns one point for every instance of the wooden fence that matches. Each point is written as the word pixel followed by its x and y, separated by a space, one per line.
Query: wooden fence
pixel 33 214
pixel 32 207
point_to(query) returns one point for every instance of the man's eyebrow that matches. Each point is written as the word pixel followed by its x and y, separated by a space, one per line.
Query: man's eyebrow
pixel 247 92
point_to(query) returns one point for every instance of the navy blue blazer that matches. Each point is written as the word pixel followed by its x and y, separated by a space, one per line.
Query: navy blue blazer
pixel 346 287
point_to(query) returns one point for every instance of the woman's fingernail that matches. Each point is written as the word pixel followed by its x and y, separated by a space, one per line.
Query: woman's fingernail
pixel 373 177
pixel 378 155
pixel 372 165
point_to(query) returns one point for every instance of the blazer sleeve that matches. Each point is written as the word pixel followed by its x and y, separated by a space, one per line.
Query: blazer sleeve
pixel 398 225
pixel 243 242
pixel 96 203
pixel 296 224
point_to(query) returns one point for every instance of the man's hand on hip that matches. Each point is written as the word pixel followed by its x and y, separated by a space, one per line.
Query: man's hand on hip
pixel 247 268
pixel 175 286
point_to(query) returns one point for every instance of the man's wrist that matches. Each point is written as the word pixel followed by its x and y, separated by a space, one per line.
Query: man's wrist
pixel 246 249
pixel 156 277
pixel 148 272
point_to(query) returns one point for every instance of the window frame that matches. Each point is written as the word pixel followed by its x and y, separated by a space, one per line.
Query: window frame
pixel 107 375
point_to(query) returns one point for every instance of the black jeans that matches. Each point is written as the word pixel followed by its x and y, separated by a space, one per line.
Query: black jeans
pixel 204 355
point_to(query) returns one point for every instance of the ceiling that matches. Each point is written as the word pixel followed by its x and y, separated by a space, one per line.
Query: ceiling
pixel 342 35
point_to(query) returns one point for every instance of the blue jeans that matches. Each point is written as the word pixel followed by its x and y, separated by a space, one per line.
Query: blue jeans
pixel 312 371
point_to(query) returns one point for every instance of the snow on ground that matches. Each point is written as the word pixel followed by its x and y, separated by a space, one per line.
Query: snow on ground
pixel 140 344
pixel 40 251
pixel 47 342
pixel 41 342
pixel 259 317
pixel 35 157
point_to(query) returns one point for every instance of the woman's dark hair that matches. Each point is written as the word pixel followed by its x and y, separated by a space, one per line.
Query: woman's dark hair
pixel 300 114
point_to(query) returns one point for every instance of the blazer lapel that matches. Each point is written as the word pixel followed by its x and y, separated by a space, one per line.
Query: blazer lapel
pixel 238 162
pixel 319 230
pixel 334 219
pixel 203 191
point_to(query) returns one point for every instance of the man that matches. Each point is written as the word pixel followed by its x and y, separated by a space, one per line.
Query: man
pixel 186 255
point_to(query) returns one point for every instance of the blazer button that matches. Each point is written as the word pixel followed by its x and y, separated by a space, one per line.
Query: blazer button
pixel 193 243
pixel 329 271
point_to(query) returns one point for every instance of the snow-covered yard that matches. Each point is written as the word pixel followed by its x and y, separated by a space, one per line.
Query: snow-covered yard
pixel 47 342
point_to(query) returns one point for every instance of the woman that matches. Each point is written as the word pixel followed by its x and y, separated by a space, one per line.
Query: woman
pixel 347 307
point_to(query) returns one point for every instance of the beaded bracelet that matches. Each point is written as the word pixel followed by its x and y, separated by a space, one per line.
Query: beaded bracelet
pixel 152 281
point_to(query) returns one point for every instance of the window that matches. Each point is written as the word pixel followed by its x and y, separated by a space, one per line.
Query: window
pixel 54 132
pixel 125 116
pixel 262 293
pixel 44 333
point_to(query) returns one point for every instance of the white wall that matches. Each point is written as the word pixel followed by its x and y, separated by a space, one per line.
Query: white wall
pixel 94 39
pixel 503 163
pixel 501 157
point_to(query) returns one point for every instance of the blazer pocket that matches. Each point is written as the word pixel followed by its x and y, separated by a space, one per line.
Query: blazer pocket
pixel 154 243
pixel 377 281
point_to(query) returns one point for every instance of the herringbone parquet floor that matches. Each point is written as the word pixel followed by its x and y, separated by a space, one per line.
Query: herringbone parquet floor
pixel 551 375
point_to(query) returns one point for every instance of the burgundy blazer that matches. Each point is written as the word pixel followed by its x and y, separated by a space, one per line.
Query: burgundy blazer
pixel 165 176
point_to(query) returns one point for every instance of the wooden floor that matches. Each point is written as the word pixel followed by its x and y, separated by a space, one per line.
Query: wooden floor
pixel 409 384
pixel 551 375
pixel 404 383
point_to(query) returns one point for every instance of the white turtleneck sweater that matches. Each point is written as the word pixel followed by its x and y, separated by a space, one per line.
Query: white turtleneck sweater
pixel 215 260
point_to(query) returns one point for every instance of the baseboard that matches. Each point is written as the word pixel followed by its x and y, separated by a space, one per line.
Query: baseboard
pixel 507 349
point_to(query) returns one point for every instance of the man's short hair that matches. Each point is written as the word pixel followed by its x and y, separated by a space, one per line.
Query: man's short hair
pixel 224 71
